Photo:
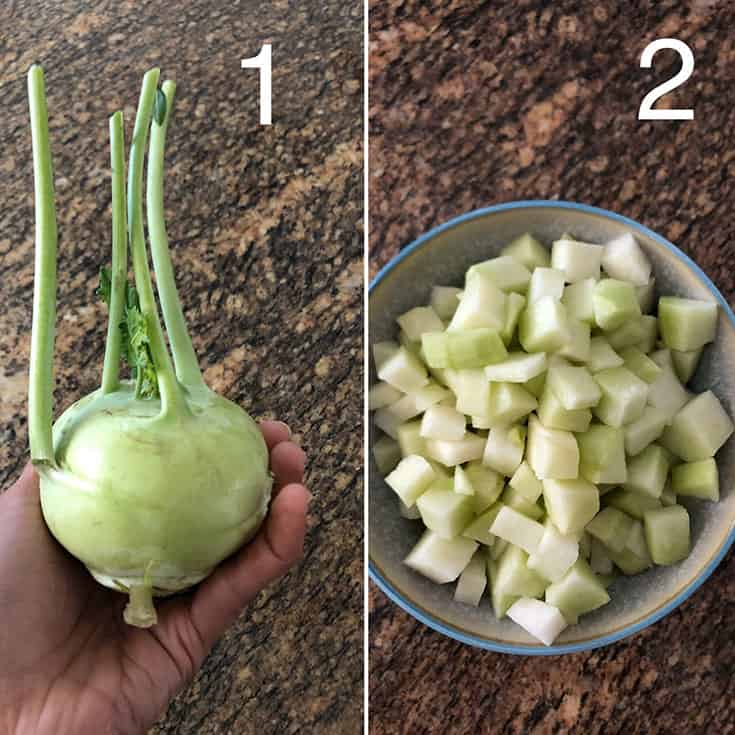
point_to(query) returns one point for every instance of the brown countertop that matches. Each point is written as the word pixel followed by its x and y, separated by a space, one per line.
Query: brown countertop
pixel 474 104
pixel 266 226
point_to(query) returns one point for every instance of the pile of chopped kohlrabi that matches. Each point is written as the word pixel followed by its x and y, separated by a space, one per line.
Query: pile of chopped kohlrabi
pixel 537 422
pixel 150 481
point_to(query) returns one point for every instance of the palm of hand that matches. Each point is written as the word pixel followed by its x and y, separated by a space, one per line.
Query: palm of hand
pixel 69 662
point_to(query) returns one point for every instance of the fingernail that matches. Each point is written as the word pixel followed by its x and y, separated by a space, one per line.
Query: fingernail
pixel 285 426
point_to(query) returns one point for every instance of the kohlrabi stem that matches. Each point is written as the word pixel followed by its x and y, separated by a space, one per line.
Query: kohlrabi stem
pixel 172 397
pixel 41 382
pixel 185 359
pixel 118 280
pixel 140 610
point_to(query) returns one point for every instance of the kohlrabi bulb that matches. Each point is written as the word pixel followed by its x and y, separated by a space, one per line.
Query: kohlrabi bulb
pixel 150 482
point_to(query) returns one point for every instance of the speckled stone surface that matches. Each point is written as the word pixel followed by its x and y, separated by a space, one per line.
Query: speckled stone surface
pixel 266 226
pixel 479 103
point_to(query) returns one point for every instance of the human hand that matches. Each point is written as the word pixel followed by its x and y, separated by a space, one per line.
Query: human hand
pixel 68 662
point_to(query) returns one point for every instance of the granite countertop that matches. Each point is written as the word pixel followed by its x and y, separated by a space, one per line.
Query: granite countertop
pixel 473 104
pixel 266 229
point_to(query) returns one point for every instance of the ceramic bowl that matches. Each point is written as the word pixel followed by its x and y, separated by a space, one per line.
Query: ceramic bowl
pixel 441 257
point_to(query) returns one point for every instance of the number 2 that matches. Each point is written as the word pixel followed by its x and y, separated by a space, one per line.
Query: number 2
pixel 645 111
pixel 262 62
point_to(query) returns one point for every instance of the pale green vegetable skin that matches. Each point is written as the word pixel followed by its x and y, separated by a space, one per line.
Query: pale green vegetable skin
pixel 149 493
pixel 594 488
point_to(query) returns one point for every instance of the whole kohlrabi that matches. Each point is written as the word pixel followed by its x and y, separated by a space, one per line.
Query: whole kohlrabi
pixel 150 482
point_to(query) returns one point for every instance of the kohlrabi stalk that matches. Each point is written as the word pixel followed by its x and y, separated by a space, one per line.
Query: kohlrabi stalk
pixel 119 275
pixel 41 383
pixel 172 397
pixel 185 359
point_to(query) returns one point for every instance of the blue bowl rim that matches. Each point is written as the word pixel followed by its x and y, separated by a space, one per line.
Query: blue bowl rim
pixel 661 612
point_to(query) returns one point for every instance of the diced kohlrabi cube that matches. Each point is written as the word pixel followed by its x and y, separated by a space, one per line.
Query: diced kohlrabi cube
pixel 552 453
pixel 649 325
pixel 685 363
pixel 697 479
pixel 381 395
pixel 412 404
pixel 610 526
pixel 535 386
pixel 507 273
pixel 517 367
pixel 504 450
pixel 509 402
pixel 470 348
pixel 514 576
pixel 546 283
pixel 410 478
pixel 578 592
pixel 602 356
pixel 623 259
pixel 578 346
pixel 647 471
pixel 488 485
pixel 499 547
pixel 577 298
pixel 387 422
pixel 441 560
pixel 472 582
pixel 445 512
pixel 686 324
pixel 628 562
pixel 571 504
pixel 615 302
pixel 602 454
pixel 632 332
pixel 528 250
pixel 544 326
pixel 647 296
pixel 382 351
pixel 479 529
pixel 666 392
pixel 387 454
pixel 667 534
pixel 514 306
pixel 444 301
pixel 541 620
pixel 404 371
pixel 501 600
pixel 517 529
pixel 555 555
pixel 410 514
pixel 413 346
pixel 573 386
pixel 640 364
pixel 634 504
pixel 668 496
pixel 513 499
pixel 577 260
pixel 452 453
pixel 462 483
pixel 662 358
pixel 419 320
pixel 526 483
pixel 554 416
pixel 472 389
pixel 409 438
pixel 482 305
pixel 600 561
pixel 623 396
pixel 443 422
pixel 699 429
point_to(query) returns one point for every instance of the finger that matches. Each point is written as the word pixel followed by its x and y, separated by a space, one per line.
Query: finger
pixel 27 485
pixel 274 432
pixel 288 462
pixel 279 544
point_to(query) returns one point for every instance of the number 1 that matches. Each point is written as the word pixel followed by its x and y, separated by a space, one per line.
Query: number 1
pixel 262 62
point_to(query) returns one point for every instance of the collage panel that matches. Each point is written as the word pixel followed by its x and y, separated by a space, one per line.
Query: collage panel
pixel 550 503
pixel 154 475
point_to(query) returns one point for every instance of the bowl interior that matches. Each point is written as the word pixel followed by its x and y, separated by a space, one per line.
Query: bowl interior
pixel 441 259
